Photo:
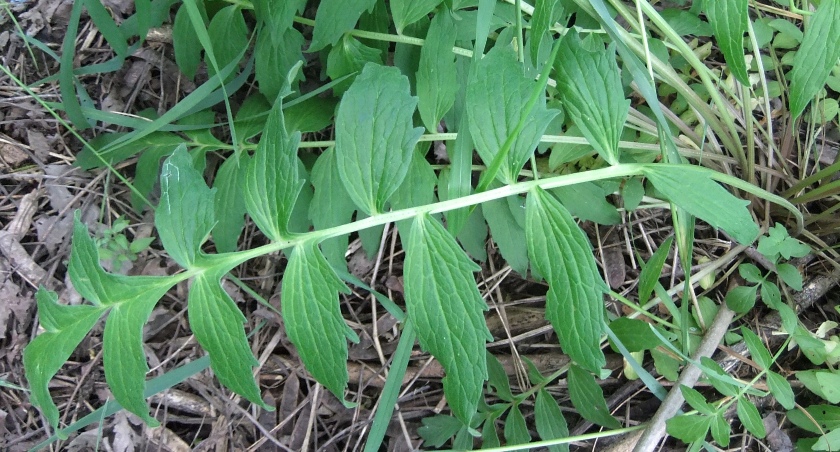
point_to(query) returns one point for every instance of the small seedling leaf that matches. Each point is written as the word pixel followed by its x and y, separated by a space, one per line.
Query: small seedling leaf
pixel 759 352
pixel 313 318
pixel 590 86
pixel 781 390
pixel 437 81
pixel 561 252
pixel 185 214
pixel 497 95
pixel 748 414
pixel 374 137
pixel 688 427
pixel 651 272
pixel 790 275
pixel 588 398
pixel 741 299
pixel 273 183
pixel 516 431
pixel 729 20
pixel 817 55
pixel 550 421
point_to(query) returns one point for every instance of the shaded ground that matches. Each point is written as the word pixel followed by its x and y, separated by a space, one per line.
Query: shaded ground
pixel 40 189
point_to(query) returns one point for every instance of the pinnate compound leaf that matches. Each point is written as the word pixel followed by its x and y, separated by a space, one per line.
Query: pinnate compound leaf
pixel 588 398
pixel 690 188
pixel 550 421
pixel 444 303
pixel 131 300
pixel 218 326
pixel 272 184
pixel 374 137
pixel 590 86
pixel 497 94
pixel 331 206
pixel 185 214
pixel 688 427
pixel 729 20
pixel 817 55
pixel 561 252
pixel 64 328
pixel 334 18
pixel 437 81
pixel 407 12
pixel 312 316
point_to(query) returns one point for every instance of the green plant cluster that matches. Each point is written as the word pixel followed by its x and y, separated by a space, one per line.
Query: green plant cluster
pixel 546 109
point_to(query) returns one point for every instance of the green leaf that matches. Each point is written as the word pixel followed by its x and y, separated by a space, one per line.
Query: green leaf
pixel 349 57
pixel 778 242
pixel 273 183
pixel 311 115
pixel 827 417
pixel 822 383
pixel 506 220
pixel 331 206
pixel 588 398
pixel 590 86
pixel 497 95
pixel 407 12
pixel 587 201
pixel 251 116
pixel 106 26
pixel 443 301
pixel 498 379
pixel 229 36
pixel 277 56
pixel 217 324
pixel 682 184
pixel 550 421
pixel 334 18
pixel 374 138
pixel 131 300
pixel 817 55
pixel 781 390
pixel 185 214
pixel 748 414
pixel 64 328
pixel 546 14
pixel 228 185
pixel 685 22
pixel 688 427
pixel 635 334
pixel 437 430
pixel 489 435
pixel 649 276
pixel 741 298
pixel 185 41
pixel 417 189
pixel 729 20
pixel 437 82
pixel 759 352
pixel 87 159
pixel 751 273
pixel 829 441
pixel 516 431
pixel 696 400
pixel 561 252
pixel 790 275
pixel 312 316
pixel 721 430
pixel 278 16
